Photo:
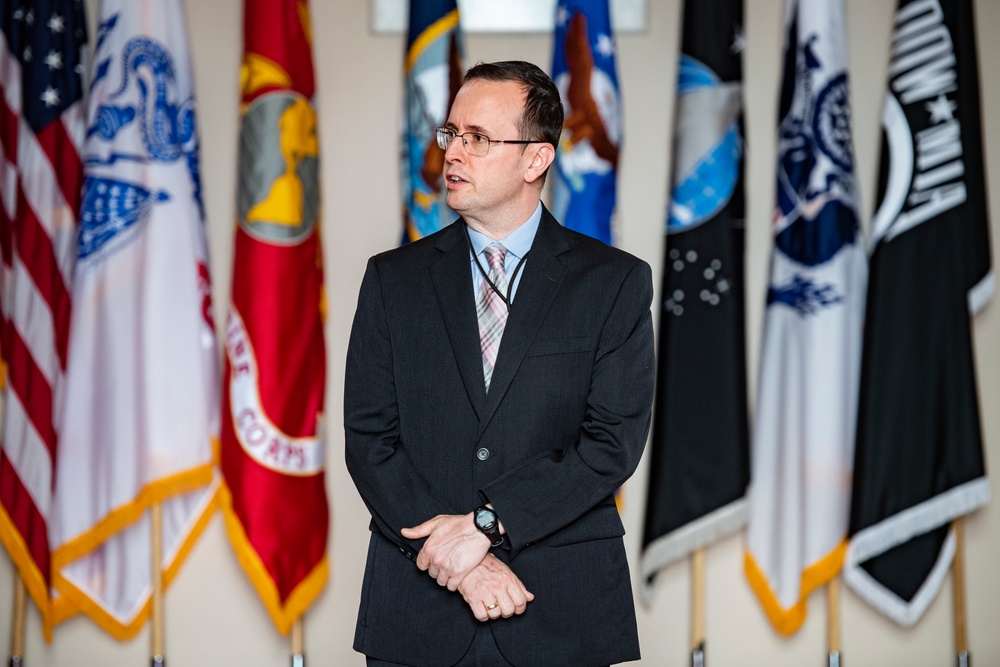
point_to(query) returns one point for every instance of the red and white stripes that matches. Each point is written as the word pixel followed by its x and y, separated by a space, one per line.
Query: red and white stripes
pixel 40 185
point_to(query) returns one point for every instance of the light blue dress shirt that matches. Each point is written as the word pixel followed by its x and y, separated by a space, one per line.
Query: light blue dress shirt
pixel 518 243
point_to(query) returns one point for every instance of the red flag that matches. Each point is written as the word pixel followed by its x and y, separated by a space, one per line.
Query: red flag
pixel 272 454
pixel 41 133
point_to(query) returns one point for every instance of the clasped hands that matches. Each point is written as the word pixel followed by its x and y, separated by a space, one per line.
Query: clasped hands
pixel 458 556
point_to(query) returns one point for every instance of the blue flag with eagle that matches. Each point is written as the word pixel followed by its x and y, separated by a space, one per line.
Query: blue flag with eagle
pixel 583 67
pixel 433 71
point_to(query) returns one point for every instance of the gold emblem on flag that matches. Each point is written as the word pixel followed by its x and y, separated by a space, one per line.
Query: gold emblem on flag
pixel 278 196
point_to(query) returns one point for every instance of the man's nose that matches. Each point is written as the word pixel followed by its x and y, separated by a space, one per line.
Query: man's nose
pixel 455 150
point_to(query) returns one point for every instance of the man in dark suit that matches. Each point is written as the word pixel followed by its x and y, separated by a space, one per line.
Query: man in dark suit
pixel 498 388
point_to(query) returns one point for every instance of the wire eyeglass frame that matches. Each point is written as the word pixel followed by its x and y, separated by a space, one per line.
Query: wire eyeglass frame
pixel 478 144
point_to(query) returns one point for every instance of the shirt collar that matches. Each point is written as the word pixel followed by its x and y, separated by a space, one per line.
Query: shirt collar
pixel 518 242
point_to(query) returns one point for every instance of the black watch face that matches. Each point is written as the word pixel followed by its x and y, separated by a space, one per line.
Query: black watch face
pixel 486 520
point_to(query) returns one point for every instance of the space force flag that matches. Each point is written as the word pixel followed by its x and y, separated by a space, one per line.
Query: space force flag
pixel 803 436
pixel 699 465
pixel 583 68
pixel 42 123
pixel 272 453
pixel 433 75
pixel 142 382
pixel 919 461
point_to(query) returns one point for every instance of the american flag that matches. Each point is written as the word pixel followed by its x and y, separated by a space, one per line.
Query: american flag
pixel 41 134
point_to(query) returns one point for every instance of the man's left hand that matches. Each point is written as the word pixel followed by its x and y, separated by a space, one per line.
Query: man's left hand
pixel 453 548
pixel 493 591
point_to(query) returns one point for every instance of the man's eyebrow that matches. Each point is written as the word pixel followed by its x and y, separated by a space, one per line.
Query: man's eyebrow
pixel 468 128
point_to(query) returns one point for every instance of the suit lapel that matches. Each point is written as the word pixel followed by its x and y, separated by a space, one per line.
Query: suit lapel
pixel 452 281
pixel 542 275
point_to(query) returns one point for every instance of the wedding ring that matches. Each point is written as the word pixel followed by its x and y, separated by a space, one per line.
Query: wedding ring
pixel 492 606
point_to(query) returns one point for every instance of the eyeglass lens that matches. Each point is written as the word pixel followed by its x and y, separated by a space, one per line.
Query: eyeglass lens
pixel 475 143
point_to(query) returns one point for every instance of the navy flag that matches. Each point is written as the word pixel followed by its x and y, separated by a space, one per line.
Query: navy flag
pixel 699 466
pixel 919 460
pixel 433 71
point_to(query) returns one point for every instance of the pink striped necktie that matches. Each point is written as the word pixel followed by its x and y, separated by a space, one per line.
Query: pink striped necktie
pixel 491 309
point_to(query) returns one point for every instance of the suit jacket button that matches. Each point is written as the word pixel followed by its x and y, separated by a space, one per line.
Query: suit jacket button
pixel 483 454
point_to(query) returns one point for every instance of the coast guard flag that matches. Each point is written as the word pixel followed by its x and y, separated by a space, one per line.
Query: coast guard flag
pixel 699 464
pixel 583 68
pixel 803 437
pixel 41 136
pixel 919 461
pixel 433 75
pixel 272 453
pixel 141 391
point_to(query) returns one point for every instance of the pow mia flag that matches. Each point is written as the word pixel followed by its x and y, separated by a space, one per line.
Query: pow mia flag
pixel 919 459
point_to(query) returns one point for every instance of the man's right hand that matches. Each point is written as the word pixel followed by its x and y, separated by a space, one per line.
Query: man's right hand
pixel 493 584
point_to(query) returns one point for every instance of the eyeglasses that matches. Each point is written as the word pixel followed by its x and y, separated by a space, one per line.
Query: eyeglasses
pixel 475 143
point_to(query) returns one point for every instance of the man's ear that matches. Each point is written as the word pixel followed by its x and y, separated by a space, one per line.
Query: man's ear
pixel 541 157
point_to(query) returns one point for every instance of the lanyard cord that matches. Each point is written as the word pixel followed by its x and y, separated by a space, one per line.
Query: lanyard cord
pixel 506 298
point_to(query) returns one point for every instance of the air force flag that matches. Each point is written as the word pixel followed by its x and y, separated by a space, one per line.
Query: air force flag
pixel 583 68
pixel 803 438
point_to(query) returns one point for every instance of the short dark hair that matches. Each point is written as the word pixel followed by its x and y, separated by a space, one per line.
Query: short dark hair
pixel 542 118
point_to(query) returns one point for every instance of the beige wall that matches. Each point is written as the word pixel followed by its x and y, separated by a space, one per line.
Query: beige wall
pixel 213 617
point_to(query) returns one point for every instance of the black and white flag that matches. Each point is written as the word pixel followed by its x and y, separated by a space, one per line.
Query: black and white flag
pixel 699 466
pixel 919 459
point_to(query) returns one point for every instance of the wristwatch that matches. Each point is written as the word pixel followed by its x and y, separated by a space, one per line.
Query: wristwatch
pixel 488 524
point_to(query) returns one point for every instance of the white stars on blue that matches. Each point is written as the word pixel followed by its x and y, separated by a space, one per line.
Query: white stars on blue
pixel 48 38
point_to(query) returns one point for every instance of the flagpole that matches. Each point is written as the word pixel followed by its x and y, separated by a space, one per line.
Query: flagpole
pixel 833 622
pixel 156 560
pixel 17 622
pixel 698 608
pixel 963 659
pixel 298 657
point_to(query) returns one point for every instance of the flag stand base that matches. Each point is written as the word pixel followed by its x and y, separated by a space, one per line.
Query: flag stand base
pixel 698 656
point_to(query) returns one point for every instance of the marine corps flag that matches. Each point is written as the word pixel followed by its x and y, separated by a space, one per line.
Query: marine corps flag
pixel 919 461
pixel 433 75
pixel 272 454
pixel 583 68
pixel 803 437
pixel 42 123
pixel 699 465
pixel 141 407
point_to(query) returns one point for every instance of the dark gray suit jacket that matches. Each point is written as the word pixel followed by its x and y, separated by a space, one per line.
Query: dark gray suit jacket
pixel 563 426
